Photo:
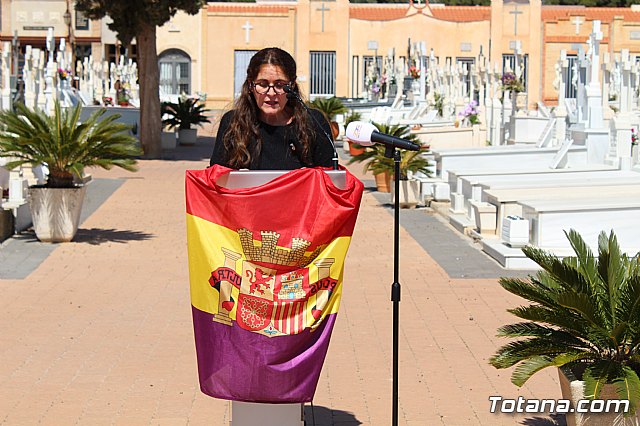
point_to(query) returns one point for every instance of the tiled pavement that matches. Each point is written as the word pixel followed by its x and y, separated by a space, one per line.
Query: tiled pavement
pixel 100 332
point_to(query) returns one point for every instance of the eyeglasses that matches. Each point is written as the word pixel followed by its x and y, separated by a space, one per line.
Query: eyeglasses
pixel 262 87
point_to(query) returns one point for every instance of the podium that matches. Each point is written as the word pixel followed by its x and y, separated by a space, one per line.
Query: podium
pixel 248 413
pixel 247 178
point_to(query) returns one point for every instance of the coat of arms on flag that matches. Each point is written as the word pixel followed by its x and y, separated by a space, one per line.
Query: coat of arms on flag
pixel 266 282
pixel 261 299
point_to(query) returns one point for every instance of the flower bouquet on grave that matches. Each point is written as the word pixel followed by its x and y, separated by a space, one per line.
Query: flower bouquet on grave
pixel 511 83
pixel 634 138
pixel 470 113
pixel 414 72
pixel 383 84
pixel 375 88
pixel 63 74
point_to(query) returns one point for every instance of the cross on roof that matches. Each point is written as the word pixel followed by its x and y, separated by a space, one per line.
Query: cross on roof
pixel 247 27
pixel 323 9
pixel 515 12
pixel 577 21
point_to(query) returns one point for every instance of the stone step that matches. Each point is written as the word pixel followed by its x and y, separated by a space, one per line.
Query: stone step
pixel 461 223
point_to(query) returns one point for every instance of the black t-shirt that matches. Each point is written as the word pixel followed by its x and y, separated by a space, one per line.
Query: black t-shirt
pixel 280 148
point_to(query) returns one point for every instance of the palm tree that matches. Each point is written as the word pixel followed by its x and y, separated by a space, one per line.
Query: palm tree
pixel 183 114
pixel 139 19
pixel 330 107
pixel 585 315
pixel 64 144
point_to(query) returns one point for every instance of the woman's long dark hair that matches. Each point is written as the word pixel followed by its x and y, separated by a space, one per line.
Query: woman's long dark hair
pixel 243 127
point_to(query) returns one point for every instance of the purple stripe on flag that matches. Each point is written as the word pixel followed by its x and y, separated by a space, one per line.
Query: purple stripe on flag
pixel 240 365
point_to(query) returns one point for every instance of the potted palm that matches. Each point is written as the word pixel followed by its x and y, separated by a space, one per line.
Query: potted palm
pixel 330 107
pixel 584 318
pixel 184 114
pixel 383 168
pixel 67 147
pixel 354 148
pixel 168 135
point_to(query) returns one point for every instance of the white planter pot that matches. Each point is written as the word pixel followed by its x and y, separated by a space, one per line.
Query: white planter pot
pixel 56 212
pixel 187 136
pixel 168 140
pixel 409 193
pixel 573 390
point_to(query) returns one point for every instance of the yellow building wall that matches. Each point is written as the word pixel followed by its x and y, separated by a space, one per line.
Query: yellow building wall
pixel 626 35
pixel 299 30
pixel 414 29
pixel 184 32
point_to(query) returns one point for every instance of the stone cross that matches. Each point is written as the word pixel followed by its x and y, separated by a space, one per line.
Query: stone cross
pixel 6 75
pixel 247 27
pixel 577 21
pixel 580 76
pixel 515 12
pixel 606 81
pixel 517 52
pixel 50 92
pixel 561 70
pixel 594 51
pixel 40 97
pixel 560 112
pixel 323 9
pixel 50 44
pixel 423 69
pixel 28 78
pixel 625 101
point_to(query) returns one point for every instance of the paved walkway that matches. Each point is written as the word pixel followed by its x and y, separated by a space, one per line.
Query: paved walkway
pixel 99 331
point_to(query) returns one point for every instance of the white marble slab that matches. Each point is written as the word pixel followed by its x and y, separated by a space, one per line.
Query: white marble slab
pixel 589 216
pixel 473 185
pixel 456 175
pixel 509 201
pixel 503 157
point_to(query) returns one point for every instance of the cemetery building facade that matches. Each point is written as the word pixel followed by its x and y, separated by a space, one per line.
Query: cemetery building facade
pixel 335 42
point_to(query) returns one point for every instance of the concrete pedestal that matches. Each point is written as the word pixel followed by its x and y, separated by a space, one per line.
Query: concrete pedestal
pixel 6 224
pixel 251 414
pixel 596 141
pixel 525 129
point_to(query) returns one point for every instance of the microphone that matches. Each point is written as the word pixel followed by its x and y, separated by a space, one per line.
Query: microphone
pixel 366 134
pixel 293 96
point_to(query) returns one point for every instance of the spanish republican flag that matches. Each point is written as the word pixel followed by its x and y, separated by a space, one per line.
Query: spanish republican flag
pixel 265 266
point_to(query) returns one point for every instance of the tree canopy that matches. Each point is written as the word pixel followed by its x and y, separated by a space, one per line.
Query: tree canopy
pixel 588 3
pixel 129 15
pixel 139 19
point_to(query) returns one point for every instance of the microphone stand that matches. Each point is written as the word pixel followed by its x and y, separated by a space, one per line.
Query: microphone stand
pixel 390 152
pixel 291 94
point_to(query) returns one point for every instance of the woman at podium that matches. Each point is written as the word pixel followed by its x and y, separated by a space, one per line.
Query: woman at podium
pixel 269 129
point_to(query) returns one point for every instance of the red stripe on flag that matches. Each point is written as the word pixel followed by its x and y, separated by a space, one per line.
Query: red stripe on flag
pixel 300 316
pixel 324 212
pixel 292 313
pixel 289 317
